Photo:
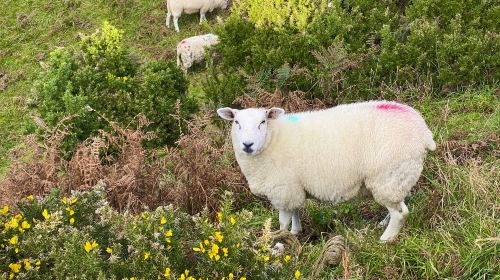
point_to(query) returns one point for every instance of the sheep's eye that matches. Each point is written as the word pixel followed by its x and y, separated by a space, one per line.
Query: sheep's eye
pixel 263 122
pixel 236 122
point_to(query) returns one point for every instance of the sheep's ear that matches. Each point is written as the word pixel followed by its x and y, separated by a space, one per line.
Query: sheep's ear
pixel 227 113
pixel 274 113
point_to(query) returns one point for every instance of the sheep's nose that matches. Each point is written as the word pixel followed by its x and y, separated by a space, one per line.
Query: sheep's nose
pixel 247 147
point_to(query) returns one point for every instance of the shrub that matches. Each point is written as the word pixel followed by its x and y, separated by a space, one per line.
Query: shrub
pixel 102 76
pixel 443 45
pixel 80 236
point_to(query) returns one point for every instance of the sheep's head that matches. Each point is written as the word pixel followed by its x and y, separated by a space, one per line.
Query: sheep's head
pixel 249 128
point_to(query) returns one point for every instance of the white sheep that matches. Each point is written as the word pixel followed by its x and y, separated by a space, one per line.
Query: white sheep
pixel 330 154
pixel 176 7
pixel 192 49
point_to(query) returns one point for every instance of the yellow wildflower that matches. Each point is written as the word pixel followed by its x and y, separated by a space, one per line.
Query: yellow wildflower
pixel 4 210
pixel 297 274
pixel 219 236
pixel 219 216
pixel 143 216
pixel 89 246
pixel 71 220
pixel 163 220
pixel 14 223
pixel 11 275
pixel 13 240
pixel 25 225
pixel 65 200
pixel 16 250
pixel 230 276
pixel 30 197
pixel 132 278
pixel 206 242
pixel 167 272
pixel 243 278
pixel 125 78
pixel 146 255
pixel 19 217
pixel 15 267
pixel 27 264
pixel 38 263
pixel 169 233
pixel 225 250
pixel 266 258
pixel 287 258
pixel 74 200
pixel 232 220
pixel 45 214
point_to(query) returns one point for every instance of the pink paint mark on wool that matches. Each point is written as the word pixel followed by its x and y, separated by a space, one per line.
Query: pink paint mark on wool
pixel 183 42
pixel 392 106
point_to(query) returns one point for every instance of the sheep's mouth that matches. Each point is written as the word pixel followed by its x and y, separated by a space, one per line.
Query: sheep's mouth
pixel 248 150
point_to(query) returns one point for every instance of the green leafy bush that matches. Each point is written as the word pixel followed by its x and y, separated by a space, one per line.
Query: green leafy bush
pixel 443 45
pixel 82 237
pixel 102 76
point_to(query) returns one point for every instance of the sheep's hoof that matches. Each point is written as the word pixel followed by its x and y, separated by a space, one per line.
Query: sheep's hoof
pixel 295 232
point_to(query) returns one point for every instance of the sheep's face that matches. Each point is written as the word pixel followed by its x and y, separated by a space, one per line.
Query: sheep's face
pixel 249 129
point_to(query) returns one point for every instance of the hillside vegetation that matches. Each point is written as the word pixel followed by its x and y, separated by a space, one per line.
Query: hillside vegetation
pixel 100 131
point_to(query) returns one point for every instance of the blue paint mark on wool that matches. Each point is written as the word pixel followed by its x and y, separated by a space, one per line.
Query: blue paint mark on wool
pixel 292 118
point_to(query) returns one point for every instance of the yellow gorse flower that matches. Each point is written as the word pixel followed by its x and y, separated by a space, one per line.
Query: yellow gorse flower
pixel 74 200
pixel 219 236
pixel 4 210
pixel 297 274
pixel 232 220
pixel 45 214
pixel 15 267
pixel 30 197
pixel 146 255
pixel 168 235
pixel 27 264
pixel 287 258
pixel 71 220
pixel 167 272
pixel 25 225
pixel 163 220
pixel 13 240
pixel 214 252
pixel 89 246
pixel 225 250
pixel 14 223
pixel 219 216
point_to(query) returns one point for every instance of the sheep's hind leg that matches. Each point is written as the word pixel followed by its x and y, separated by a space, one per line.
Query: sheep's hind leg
pixel 296 226
pixel 202 17
pixel 396 221
pixel 285 217
pixel 176 23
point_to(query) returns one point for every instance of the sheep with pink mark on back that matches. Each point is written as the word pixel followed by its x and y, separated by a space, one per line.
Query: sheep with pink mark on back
pixel 331 154
pixel 192 49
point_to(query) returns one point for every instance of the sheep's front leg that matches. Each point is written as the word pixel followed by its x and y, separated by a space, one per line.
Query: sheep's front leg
pixel 167 20
pixel 296 226
pixel 285 217
pixel 202 17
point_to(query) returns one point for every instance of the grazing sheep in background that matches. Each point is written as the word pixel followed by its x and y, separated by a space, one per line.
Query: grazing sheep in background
pixel 192 49
pixel 330 154
pixel 176 7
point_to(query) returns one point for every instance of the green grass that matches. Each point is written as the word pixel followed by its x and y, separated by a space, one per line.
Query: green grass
pixel 453 227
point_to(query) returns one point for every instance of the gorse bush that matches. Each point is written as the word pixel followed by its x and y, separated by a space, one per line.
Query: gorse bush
pixel 82 237
pixel 443 45
pixel 102 77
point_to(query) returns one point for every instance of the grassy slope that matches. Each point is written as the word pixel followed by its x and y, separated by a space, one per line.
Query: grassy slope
pixel 452 211
pixel 30 30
